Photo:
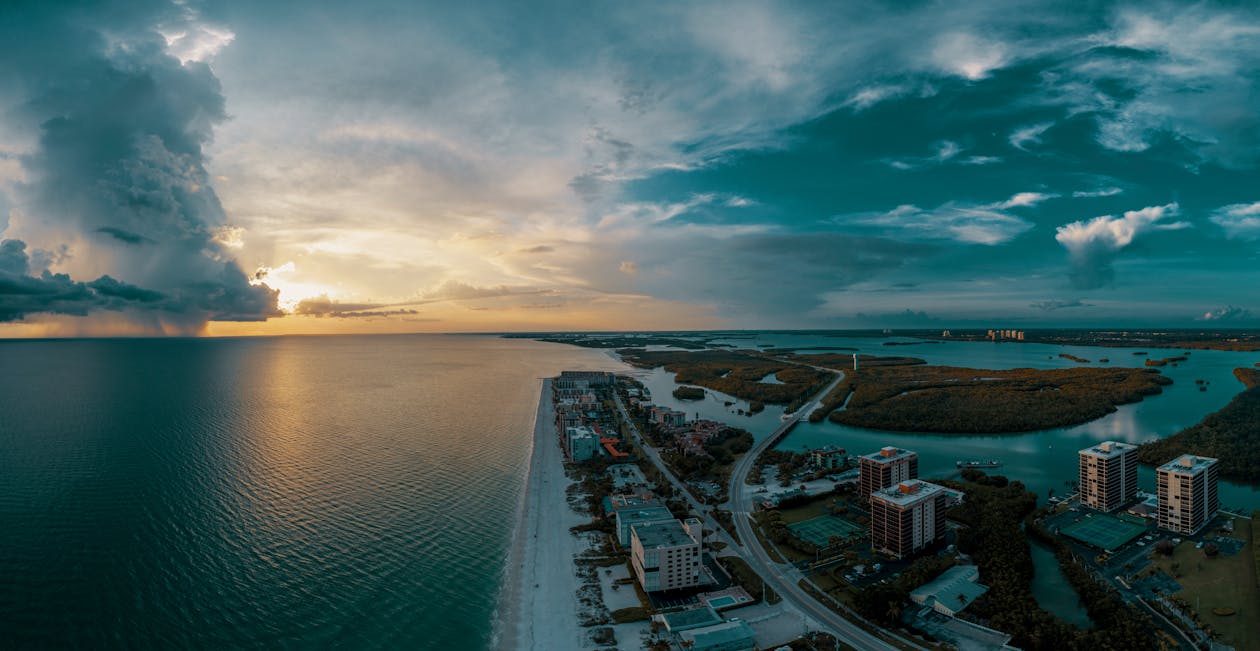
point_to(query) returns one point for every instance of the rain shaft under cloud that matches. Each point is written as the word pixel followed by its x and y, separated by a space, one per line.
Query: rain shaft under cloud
pixel 113 163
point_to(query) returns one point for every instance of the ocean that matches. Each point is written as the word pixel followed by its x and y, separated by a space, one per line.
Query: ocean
pixel 312 492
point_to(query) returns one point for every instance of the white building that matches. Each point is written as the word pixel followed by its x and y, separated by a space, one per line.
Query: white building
pixel 666 555
pixel 1108 475
pixel 1187 493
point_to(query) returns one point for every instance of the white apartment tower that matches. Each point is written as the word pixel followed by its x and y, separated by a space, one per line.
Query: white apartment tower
pixel 1108 475
pixel 1187 493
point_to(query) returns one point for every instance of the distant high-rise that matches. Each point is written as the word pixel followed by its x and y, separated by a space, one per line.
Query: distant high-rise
pixel 1108 475
pixel 885 468
pixel 907 517
pixel 1187 493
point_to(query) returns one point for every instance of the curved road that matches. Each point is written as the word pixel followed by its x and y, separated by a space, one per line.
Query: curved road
pixel 783 579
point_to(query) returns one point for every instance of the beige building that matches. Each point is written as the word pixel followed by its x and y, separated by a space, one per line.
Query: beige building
pixel 1186 490
pixel 885 468
pixel 907 517
pixel 1108 475
pixel 666 555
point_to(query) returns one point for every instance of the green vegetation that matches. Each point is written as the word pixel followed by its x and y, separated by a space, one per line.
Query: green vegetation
pixel 994 512
pixel 1231 435
pixel 1227 583
pixel 948 399
pixel 747 579
pixel 1165 361
pixel 883 602
pixel 631 614
pixel 735 373
pixel 1074 358
pixel 689 393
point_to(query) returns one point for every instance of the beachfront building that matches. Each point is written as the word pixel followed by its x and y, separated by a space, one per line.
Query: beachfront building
pixel 888 467
pixel 1108 475
pixel 628 518
pixel 666 555
pixel 1187 493
pixel 828 458
pixel 581 443
pixel 952 591
pixel 907 517
pixel 584 379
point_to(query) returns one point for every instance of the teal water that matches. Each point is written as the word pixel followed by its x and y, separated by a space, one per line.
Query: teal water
pixel 296 492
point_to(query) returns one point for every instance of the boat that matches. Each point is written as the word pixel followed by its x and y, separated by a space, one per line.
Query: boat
pixel 979 463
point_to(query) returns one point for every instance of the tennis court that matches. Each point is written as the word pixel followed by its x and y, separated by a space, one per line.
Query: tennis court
pixel 1104 531
pixel 819 530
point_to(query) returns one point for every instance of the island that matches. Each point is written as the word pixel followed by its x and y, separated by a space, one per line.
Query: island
pixel 689 393
pixel 1231 435
pixel 737 373
pixel 887 395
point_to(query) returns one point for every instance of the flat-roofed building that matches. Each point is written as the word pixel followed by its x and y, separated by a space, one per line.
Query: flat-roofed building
pixel 581 443
pixel 885 468
pixel 1186 493
pixel 666 555
pixel 828 458
pixel 627 518
pixel 907 517
pixel 1108 475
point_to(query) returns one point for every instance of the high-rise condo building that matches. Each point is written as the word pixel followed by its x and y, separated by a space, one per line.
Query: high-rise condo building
pixel 1187 493
pixel 886 468
pixel 907 517
pixel 1108 475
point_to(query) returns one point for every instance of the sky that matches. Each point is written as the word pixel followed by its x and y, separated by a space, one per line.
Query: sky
pixel 238 168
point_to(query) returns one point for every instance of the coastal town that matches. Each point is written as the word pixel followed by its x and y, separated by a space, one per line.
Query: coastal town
pixel 666 531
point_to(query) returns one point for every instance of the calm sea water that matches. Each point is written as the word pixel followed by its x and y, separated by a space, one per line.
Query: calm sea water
pixel 354 492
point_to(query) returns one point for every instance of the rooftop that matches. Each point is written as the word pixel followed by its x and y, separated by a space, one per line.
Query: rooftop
pixel 641 515
pixel 956 588
pixel 908 492
pixel 1189 464
pixel 888 455
pixel 725 635
pixel 1108 449
pixel 688 619
pixel 668 533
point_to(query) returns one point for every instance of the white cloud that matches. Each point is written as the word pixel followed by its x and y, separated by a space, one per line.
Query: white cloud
pixel 1241 220
pixel 968 56
pixel 967 223
pixel 1101 192
pixel 872 95
pixel 1023 200
pixel 1030 135
pixel 1115 233
pixel 1092 245
pixel 1226 313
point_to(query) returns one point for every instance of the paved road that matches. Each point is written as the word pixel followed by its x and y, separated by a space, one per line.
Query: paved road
pixel 783 579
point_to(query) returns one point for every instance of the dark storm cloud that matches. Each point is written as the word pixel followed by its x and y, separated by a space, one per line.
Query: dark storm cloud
pixel 1058 304
pixel 124 236
pixel 121 128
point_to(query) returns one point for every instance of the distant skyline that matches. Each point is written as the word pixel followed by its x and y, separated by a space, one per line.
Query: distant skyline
pixel 233 167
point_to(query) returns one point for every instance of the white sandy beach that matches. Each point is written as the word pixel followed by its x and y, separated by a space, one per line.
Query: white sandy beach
pixel 539 604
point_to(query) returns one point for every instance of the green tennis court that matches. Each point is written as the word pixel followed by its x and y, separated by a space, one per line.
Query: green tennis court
pixel 1104 531
pixel 819 530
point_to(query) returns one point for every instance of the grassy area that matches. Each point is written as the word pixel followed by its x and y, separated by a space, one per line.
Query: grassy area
pixel 631 614
pixel 1220 582
pixel 734 373
pixel 747 578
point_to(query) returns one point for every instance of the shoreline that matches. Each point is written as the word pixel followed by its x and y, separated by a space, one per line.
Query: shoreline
pixel 537 605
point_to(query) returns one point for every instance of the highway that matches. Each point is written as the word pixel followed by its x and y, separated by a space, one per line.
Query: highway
pixel 782 579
